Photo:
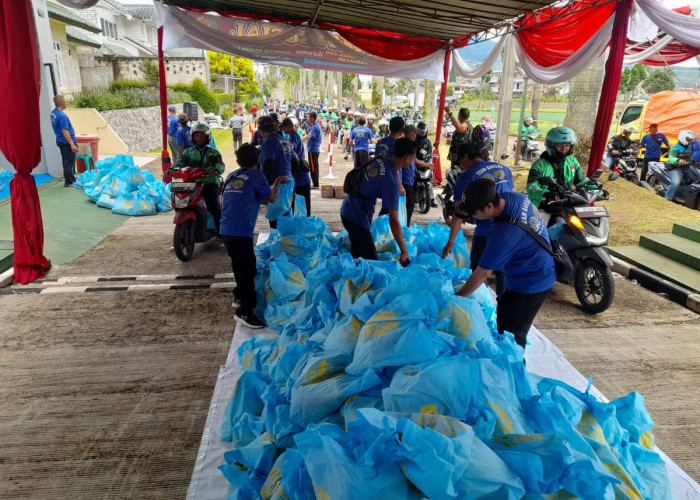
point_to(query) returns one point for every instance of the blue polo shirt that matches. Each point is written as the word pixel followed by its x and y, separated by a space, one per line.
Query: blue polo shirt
pixel 498 173
pixel 380 182
pixel 314 143
pixel 182 138
pixel 59 122
pixel 385 147
pixel 245 189
pixel 302 178
pixel 172 125
pixel 361 137
pixel 276 148
pixel 408 174
pixel 529 268
pixel 652 144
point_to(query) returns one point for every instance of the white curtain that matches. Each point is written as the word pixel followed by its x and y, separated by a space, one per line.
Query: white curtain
pixel 648 52
pixel 461 68
pixel 641 28
pixel 567 69
pixel 78 4
pixel 679 26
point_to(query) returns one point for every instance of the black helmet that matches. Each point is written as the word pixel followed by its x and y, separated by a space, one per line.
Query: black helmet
pixel 422 128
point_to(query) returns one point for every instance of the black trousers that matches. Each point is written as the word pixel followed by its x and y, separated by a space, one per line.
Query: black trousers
pixel 361 158
pixel 305 191
pixel 410 202
pixel 68 159
pixel 237 138
pixel 210 193
pixel 313 163
pixel 516 312
pixel 645 167
pixel 240 250
pixel 478 246
pixel 361 241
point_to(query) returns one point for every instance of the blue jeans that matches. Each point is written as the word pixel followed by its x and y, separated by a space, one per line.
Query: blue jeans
pixel 677 175
pixel 611 161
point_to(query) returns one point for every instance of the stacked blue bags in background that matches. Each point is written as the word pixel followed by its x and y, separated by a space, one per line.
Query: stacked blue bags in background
pixel 118 184
pixel 381 383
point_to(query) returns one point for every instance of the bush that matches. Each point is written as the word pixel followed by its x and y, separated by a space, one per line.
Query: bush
pixel 150 72
pixel 225 98
pixel 226 114
pixel 103 99
pixel 118 85
pixel 249 103
pixel 217 90
pixel 200 93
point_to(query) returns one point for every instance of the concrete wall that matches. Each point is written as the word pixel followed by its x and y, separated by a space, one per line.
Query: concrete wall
pixel 185 70
pixel 89 121
pixel 94 72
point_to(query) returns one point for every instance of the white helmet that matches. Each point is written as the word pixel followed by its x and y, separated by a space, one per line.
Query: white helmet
pixel 383 122
pixel 528 120
pixel 351 112
pixel 200 127
pixel 371 116
pixel 627 128
pixel 686 137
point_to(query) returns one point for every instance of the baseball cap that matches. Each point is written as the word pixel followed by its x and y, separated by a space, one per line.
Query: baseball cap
pixel 172 107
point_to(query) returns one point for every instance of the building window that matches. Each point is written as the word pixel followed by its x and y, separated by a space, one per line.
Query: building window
pixel 109 29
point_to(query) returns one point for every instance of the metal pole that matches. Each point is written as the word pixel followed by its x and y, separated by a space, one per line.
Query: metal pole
pixel 516 156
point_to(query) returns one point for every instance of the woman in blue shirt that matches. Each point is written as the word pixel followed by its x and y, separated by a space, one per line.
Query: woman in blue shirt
pixel 652 147
pixel 528 267
pixel 244 190
pixel 302 180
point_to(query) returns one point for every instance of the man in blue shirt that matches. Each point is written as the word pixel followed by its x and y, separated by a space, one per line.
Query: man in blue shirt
pixel 172 133
pixel 65 139
pixel 408 175
pixel 474 167
pixel 275 156
pixel 302 179
pixel 361 137
pixel 529 268
pixel 652 147
pixel 182 138
pixel 244 190
pixel 313 146
pixel 385 149
pixel 379 181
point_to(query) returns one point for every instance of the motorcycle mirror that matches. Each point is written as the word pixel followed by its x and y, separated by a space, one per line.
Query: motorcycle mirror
pixel 596 175
pixel 613 176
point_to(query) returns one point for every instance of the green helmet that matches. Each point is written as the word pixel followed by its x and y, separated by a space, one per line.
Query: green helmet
pixel 559 135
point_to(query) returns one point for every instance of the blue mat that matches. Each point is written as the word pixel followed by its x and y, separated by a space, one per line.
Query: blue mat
pixel 6 176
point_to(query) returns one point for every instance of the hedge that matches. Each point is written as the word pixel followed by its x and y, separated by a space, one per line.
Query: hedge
pixel 105 99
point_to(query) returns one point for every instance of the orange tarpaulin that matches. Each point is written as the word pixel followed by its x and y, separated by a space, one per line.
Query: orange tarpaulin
pixel 673 111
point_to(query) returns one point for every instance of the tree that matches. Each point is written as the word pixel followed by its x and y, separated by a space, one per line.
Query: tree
pixel 631 78
pixel 658 81
pixel 450 91
pixel 221 64
pixel 150 72
pixel 582 105
pixel 377 91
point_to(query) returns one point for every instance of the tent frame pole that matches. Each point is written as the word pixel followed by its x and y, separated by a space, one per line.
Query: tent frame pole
pixel 441 107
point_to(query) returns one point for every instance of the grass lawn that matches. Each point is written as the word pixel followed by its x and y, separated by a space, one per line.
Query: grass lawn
pixel 634 211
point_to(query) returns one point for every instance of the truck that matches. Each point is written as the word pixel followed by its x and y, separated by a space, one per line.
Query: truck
pixel 671 110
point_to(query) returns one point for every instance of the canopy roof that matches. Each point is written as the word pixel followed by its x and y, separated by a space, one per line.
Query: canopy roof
pixel 441 20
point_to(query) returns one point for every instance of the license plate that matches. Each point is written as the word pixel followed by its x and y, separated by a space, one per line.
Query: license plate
pixel 183 186
pixel 589 212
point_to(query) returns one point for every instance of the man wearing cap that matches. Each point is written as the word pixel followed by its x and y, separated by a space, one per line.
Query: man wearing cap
pixel 528 267
pixel 182 137
pixel 172 132
pixel 474 167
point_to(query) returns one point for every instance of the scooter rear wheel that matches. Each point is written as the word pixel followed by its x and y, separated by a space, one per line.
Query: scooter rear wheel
pixel 594 284
pixel 423 200
pixel 183 240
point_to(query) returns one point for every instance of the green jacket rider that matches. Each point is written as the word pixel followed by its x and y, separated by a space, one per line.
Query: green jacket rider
pixel 557 162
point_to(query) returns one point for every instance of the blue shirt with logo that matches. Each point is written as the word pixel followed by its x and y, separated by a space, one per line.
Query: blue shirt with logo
pixel 380 181
pixel 498 173
pixel 529 268
pixel 314 142
pixel 277 149
pixel 59 122
pixel 652 144
pixel 182 138
pixel 408 174
pixel 385 147
pixel 361 137
pixel 245 189
pixel 300 178
pixel 172 125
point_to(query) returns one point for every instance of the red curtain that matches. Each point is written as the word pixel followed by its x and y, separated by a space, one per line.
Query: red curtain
pixel 551 41
pixel 20 142
pixel 441 108
pixel 673 53
pixel 611 84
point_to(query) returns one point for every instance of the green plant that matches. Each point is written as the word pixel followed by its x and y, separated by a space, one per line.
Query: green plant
pixel 225 98
pixel 249 103
pixel 117 85
pixel 214 78
pixel 150 72
pixel 226 113
pixel 104 99
pixel 200 93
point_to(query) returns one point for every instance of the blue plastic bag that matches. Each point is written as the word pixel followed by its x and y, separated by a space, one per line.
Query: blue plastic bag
pixel 288 479
pixel 246 399
pixel 299 205
pixel 283 204
pixel 403 220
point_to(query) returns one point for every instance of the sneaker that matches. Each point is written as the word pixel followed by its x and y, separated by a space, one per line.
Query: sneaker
pixel 249 320
pixel 236 302
pixel 68 185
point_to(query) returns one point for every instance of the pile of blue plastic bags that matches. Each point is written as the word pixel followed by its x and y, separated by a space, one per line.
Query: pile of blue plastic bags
pixel 118 184
pixel 380 382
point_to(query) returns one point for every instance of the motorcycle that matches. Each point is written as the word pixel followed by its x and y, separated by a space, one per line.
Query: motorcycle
pixel 447 204
pixel 193 223
pixel 532 148
pixel 688 193
pixel 423 188
pixel 583 230
pixel 626 165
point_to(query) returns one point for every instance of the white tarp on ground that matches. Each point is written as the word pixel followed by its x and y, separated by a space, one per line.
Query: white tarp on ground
pixel 279 43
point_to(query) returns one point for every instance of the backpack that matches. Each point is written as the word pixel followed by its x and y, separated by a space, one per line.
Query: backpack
pixel 353 181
